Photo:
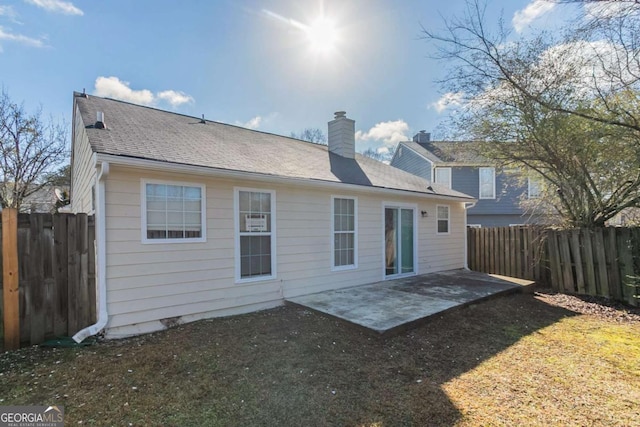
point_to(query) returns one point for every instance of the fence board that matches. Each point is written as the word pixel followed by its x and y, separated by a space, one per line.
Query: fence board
pixel 625 265
pixel 577 257
pixel 10 280
pixel 36 287
pixel 60 274
pixel 611 255
pixel 601 264
pixel 587 237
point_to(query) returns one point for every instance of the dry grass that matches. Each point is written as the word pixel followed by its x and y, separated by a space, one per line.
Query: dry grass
pixel 514 360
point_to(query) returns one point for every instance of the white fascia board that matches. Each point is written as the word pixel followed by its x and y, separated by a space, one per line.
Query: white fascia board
pixel 160 166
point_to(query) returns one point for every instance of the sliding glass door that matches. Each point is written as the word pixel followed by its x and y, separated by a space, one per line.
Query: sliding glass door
pixel 398 240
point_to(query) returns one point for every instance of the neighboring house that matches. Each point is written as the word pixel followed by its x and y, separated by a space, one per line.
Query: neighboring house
pixel 196 219
pixel 455 165
pixel 44 200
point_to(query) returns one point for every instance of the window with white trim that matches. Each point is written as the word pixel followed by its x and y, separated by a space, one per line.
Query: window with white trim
pixel 487 183
pixel 534 188
pixel 173 212
pixel 345 214
pixel 443 219
pixel 443 176
pixel 254 228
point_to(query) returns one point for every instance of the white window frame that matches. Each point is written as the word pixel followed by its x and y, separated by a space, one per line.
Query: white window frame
pixel 448 219
pixel 493 172
pixel 448 182
pixel 237 233
pixel 539 183
pixel 353 266
pixel 143 212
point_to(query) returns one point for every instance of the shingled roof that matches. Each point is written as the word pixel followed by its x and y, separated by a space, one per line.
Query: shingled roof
pixel 134 131
pixel 449 152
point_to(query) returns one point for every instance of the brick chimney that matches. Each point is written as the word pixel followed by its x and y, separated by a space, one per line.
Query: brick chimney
pixel 342 135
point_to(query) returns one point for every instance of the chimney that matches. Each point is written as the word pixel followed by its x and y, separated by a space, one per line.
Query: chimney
pixel 422 137
pixel 99 120
pixel 342 135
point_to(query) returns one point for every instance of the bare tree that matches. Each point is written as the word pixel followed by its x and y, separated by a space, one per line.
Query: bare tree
pixel 314 135
pixel 30 150
pixel 566 108
pixel 381 156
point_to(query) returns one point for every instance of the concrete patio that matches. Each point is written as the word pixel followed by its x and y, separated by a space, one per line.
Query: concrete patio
pixel 392 306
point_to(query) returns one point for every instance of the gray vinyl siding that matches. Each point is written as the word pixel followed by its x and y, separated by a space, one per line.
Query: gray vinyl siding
pixel 508 192
pixel 412 162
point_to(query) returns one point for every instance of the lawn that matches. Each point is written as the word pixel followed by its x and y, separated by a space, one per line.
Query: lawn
pixel 514 360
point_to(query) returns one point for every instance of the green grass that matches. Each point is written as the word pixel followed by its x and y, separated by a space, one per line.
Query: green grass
pixel 513 360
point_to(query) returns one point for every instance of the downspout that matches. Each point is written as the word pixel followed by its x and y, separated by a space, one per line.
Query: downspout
pixel 467 206
pixel 101 285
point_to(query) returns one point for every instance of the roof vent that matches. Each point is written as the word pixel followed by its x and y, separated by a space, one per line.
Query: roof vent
pixel 100 120
pixel 340 114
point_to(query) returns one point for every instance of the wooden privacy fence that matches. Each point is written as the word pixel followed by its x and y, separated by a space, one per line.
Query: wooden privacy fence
pixel 603 262
pixel 56 265
pixel 509 251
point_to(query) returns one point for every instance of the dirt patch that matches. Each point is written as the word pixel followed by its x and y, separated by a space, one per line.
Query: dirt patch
pixel 602 308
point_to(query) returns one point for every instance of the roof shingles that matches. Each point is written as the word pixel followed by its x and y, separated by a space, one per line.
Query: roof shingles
pixel 148 133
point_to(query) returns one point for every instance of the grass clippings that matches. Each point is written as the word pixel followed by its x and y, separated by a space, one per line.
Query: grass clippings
pixel 513 360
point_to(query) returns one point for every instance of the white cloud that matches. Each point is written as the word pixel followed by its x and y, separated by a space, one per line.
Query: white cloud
pixel 175 98
pixel 449 99
pixel 10 13
pixel 253 123
pixel 57 6
pixel 533 11
pixel 19 38
pixel 389 133
pixel 113 87
pixel 608 9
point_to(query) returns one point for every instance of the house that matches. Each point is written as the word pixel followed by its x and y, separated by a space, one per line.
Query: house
pixel 197 219
pixel 456 165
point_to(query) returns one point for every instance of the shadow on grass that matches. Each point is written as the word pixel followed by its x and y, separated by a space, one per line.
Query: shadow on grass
pixel 286 366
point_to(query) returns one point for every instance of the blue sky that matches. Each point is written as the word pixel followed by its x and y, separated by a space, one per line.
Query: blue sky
pixel 258 64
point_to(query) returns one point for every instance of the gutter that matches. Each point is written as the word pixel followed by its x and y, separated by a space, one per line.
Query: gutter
pixel 467 206
pixel 156 165
pixel 101 285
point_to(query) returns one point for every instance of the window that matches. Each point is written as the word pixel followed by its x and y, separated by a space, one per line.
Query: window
pixel 344 232
pixel 443 176
pixel 487 183
pixel 474 225
pixel 533 191
pixel 443 219
pixel 173 212
pixel 255 234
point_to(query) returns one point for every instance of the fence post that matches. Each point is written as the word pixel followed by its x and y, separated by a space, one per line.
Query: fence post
pixel 10 280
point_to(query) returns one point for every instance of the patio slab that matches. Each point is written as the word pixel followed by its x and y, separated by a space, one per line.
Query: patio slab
pixel 392 306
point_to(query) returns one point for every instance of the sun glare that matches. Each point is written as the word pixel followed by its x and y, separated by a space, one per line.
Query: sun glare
pixel 322 35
